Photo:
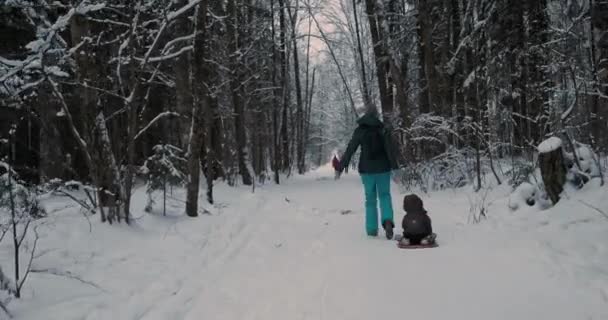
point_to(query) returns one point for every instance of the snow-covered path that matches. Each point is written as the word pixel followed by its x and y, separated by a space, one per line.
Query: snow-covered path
pixel 290 253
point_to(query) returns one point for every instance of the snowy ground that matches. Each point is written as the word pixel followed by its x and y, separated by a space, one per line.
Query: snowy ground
pixel 289 253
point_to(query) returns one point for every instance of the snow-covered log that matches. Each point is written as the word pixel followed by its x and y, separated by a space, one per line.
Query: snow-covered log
pixel 552 167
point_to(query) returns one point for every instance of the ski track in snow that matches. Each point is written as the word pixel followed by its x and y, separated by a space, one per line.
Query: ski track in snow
pixel 288 252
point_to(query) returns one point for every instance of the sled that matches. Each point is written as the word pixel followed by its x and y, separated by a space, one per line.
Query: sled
pixel 415 246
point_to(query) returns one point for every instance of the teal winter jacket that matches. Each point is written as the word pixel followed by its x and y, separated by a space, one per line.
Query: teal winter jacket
pixel 376 149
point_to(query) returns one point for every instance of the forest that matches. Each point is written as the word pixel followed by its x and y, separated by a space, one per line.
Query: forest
pixel 111 94
pixel 102 98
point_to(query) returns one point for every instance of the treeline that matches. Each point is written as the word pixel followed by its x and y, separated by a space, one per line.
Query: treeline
pixel 495 77
pixel 91 87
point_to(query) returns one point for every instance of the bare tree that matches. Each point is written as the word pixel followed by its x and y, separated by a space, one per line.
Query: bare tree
pixel 200 106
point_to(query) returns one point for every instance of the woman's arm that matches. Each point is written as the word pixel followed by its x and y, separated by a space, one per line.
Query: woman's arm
pixel 354 143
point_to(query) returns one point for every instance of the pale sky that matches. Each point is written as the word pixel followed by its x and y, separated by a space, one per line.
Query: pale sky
pixel 316 43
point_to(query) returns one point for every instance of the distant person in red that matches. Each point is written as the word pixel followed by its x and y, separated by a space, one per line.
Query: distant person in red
pixel 336 164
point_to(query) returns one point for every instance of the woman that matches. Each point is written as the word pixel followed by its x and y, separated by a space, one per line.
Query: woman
pixel 375 165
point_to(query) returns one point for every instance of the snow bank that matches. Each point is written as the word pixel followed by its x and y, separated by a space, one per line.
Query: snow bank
pixel 549 145
pixel 529 195
pixel 588 161
pixel 524 194
pixel 287 252
pixel 583 168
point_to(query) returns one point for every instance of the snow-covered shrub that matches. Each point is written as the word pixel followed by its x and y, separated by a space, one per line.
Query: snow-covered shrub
pixel 531 195
pixel 587 160
pixel 520 172
pixel 80 193
pixel 19 208
pixel 527 180
pixel 430 129
pixel 445 171
pixel 584 167
pixel 449 167
pixel 526 194
pixel 478 205
pixel 166 166
pixel 14 194
pixel 7 289
pixel 448 170
pixel 582 164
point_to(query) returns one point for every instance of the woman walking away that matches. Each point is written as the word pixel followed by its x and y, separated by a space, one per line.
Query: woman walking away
pixel 375 165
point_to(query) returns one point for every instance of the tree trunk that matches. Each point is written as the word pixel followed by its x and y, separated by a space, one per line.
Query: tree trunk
pixel 132 110
pixel 200 105
pixel 235 83
pixel 380 57
pixel 307 96
pixel 396 73
pixel 514 20
pixel 309 110
pixel 285 94
pixel 14 218
pixel 133 116
pixel 54 161
pixel 553 171
pixel 87 100
pixel 426 57
pixel 165 197
pixel 299 128
pixel 275 104
pixel 457 77
pixel 600 60
pixel 212 146
pixel 366 92
pixel 183 86
pixel 111 190
pixel 537 82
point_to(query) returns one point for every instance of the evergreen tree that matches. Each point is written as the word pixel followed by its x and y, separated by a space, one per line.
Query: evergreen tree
pixel 166 167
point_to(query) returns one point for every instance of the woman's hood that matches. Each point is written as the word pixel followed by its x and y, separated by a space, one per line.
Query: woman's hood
pixel 370 120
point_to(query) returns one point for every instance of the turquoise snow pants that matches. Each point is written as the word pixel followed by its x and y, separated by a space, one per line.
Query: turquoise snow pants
pixel 377 186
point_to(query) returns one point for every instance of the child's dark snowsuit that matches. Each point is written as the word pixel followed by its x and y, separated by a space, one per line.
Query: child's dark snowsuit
pixel 416 222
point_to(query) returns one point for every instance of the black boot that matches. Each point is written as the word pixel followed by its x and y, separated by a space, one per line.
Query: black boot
pixel 388 228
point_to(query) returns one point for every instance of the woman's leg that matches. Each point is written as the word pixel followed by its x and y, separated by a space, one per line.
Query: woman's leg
pixel 383 181
pixel 371 205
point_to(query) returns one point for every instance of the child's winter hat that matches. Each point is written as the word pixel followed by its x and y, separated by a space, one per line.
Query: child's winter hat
pixel 412 203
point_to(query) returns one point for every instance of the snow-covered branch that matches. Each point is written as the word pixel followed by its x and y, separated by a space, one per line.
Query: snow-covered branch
pixel 168 19
pixel 175 41
pixel 170 55
pixel 156 119
pixel 478 27
pixel 47 42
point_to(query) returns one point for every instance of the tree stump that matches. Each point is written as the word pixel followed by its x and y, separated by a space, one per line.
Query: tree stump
pixel 552 167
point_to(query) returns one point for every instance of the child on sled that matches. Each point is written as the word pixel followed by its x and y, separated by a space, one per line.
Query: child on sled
pixel 417 228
